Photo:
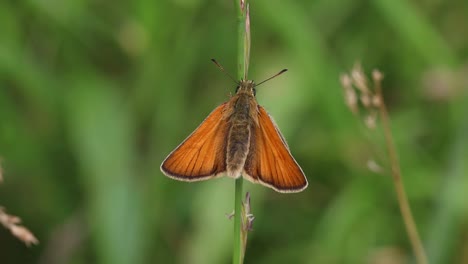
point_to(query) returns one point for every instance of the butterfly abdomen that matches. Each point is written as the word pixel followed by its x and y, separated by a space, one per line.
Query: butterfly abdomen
pixel 238 141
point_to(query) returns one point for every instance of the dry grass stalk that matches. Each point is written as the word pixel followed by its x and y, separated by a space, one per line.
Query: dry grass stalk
pixel 356 85
pixel 13 223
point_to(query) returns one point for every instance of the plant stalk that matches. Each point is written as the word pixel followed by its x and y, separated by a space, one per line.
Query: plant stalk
pixel 238 254
pixel 243 54
pixel 411 229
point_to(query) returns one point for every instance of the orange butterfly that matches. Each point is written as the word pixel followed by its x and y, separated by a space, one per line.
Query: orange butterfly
pixel 238 138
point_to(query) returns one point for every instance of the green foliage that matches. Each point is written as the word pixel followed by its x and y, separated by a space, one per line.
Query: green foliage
pixel 94 94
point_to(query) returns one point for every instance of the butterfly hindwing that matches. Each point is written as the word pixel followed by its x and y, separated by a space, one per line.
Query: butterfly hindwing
pixel 269 161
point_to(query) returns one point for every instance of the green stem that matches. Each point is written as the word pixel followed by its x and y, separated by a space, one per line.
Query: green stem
pixel 243 39
pixel 243 54
pixel 238 256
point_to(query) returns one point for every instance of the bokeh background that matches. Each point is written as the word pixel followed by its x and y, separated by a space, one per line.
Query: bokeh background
pixel 95 94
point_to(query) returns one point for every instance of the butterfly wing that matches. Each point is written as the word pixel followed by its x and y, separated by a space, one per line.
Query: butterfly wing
pixel 203 154
pixel 269 161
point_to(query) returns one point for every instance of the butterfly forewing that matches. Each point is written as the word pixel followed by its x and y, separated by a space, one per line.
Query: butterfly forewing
pixel 269 161
pixel 203 154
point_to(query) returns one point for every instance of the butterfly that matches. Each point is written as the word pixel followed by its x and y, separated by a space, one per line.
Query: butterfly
pixel 238 138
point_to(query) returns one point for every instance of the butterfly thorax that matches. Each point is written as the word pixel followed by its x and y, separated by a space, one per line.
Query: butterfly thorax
pixel 243 114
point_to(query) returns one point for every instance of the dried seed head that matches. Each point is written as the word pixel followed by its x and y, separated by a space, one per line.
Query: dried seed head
pixel 359 79
pixel 250 220
pixel 365 100
pixel 12 223
pixel 24 235
pixel 351 100
pixel 350 95
pixel 247 217
pixel 376 101
pixel 371 120
pixel 377 76
pixel 346 81
pixel 373 166
pixel 247 202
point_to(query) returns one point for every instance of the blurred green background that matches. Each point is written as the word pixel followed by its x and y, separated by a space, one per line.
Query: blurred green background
pixel 95 94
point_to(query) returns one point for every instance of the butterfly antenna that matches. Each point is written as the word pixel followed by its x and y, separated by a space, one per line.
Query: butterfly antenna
pixel 223 70
pixel 276 75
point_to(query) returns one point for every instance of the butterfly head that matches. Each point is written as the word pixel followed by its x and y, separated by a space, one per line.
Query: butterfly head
pixel 246 87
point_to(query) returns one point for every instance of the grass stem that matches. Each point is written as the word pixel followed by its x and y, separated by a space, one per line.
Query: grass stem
pixel 243 54
pixel 403 203
pixel 238 254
